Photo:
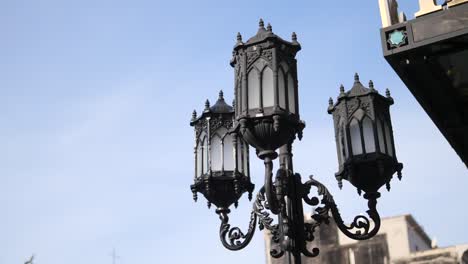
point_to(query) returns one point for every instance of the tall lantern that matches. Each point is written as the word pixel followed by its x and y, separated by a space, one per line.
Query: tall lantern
pixel 221 157
pixel 267 108
pixel 364 137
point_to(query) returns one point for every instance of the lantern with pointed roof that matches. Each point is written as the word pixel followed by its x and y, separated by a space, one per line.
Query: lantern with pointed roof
pixel 221 156
pixel 267 109
pixel 364 137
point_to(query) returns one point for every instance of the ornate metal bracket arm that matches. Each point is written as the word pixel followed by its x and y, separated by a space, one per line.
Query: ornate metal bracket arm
pixel 233 238
pixel 360 228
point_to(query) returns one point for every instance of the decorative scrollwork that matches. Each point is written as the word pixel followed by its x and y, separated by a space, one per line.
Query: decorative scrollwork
pixel 233 238
pixel 360 222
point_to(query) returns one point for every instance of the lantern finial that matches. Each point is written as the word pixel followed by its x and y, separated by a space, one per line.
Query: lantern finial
pixel 371 85
pixel 239 37
pixel 261 24
pixel 194 115
pixel 269 28
pixel 342 92
pixel 330 102
pixel 356 77
pixel 221 95
pixel 387 93
pixel 294 37
pixel 207 105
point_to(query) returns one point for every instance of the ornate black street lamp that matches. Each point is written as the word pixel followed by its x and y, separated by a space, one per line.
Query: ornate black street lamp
pixel 265 115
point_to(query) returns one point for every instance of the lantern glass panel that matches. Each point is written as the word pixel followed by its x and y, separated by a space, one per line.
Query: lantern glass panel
pixel 246 159
pixel 355 133
pixel 268 95
pixel 205 155
pixel 240 165
pixel 291 94
pixel 228 153
pixel 281 89
pixel 199 158
pixel 216 156
pixel 340 146
pixel 388 139
pixel 381 136
pixel 368 131
pixel 253 89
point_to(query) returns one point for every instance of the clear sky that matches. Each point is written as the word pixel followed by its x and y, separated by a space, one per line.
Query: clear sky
pixel 96 150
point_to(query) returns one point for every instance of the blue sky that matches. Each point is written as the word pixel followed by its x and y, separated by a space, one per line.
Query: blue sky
pixel 95 146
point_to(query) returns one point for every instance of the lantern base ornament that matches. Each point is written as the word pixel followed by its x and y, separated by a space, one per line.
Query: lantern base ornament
pixel 360 172
pixel 267 134
pixel 222 189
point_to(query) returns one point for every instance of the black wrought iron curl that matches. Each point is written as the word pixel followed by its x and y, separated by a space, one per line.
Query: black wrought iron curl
pixel 233 238
pixel 360 227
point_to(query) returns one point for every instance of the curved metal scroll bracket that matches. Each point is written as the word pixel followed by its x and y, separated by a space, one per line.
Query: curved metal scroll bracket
pixel 233 238
pixel 360 228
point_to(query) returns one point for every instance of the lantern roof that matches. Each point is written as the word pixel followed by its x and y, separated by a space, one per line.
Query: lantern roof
pixel 220 107
pixel 263 34
pixel 358 90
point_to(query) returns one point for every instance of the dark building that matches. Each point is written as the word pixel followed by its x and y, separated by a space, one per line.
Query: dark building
pixel 430 55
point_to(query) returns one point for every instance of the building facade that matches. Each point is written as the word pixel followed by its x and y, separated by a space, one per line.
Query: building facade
pixel 401 240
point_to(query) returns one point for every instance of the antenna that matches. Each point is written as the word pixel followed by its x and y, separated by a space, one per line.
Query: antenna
pixel 114 256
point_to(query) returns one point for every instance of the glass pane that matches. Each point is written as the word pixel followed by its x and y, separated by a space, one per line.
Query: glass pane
pixel 228 153
pixel 216 161
pixel 240 166
pixel 388 139
pixel 246 159
pixel 381 136
pixel 205 156
pixel 339 146
pixel 199 159
pixel 368 131
pixel 291 94
pixel 268 89
pixel 253 89
pixel 356 143
pixel 282 89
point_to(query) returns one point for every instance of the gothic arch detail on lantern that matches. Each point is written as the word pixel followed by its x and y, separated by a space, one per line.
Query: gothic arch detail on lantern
pixel 282 88
pixel 291 93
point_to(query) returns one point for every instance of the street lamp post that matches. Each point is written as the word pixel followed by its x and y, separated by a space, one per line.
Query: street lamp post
pixel 265 115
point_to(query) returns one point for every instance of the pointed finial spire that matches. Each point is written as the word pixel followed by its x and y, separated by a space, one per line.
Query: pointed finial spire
pixel 194 115
pixel 269 28
pixel 221 95
pixel 371 85
pixel 356 77
pixel 239 37
pixel 294 37
pixel 261 24
pixel 387 93
pixel 330 102
pixel 207 105
pixel 342 92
